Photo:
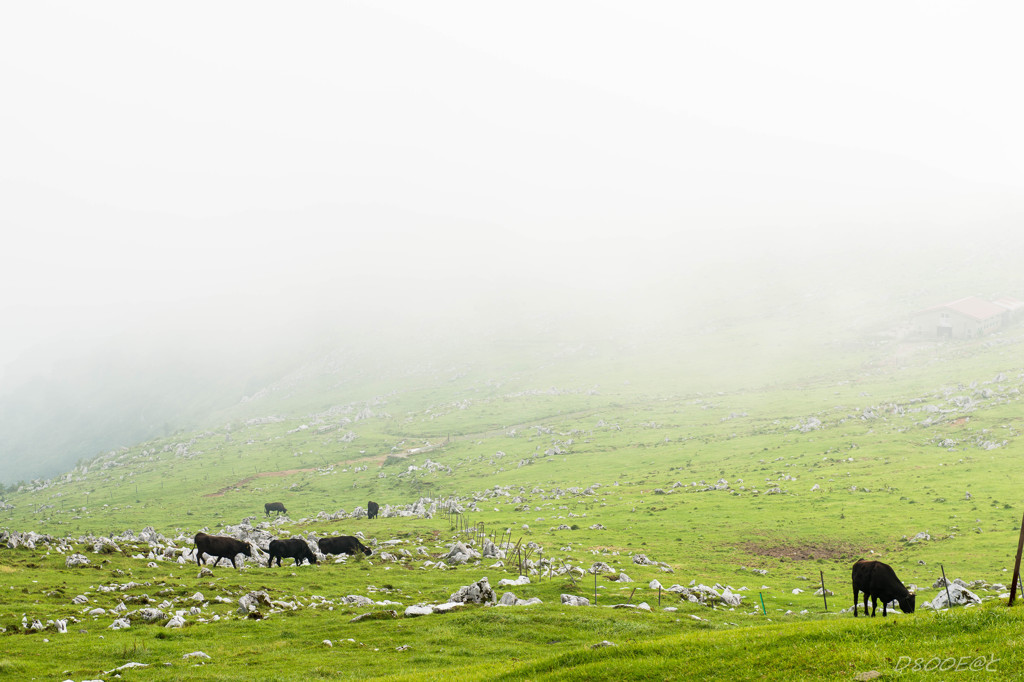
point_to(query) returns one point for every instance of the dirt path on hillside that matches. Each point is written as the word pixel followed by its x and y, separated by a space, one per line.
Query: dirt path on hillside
pixel 373 459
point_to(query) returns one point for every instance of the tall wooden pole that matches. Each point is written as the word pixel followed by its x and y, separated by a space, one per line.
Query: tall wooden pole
pixel 945 582
pixel 1016 563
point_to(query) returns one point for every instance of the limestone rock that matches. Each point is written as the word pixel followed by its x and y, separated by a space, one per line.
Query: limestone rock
pixel 573 600
pixel 479 592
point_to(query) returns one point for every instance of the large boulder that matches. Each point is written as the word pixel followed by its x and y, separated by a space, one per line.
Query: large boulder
pixel 479 592
pixel 731 598
pixel 251 602
pixel 958 596
pixel 151 614
pixel 76 560
pixel 491 551
pixel 148 534
pixel 460 554
pixel 510 599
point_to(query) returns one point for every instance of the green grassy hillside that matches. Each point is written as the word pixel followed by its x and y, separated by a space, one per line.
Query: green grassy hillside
pixel 482 361
pixel 768 490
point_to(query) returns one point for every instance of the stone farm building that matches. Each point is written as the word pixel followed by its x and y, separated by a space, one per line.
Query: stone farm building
pixel 968 318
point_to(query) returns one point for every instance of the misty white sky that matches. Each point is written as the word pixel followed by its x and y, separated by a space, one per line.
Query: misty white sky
pixel 188 153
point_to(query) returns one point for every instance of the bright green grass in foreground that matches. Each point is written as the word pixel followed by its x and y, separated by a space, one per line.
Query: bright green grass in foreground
pixel 892 455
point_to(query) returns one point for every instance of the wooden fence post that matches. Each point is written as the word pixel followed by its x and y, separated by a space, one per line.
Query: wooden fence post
pixel 949 600
pixel 1016 564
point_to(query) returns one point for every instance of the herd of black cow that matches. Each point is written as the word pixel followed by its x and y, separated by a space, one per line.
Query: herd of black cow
pixel 876 580
pixel 223 547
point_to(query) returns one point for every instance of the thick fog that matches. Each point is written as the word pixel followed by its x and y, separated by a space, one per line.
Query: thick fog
pixel 231 176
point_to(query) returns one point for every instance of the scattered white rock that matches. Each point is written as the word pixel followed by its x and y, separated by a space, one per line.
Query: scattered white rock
pixel 958 594
pixel 76 560
pixel 251 602
pixel 479 592
pixel 642 606
pixel 521 580
pixel 731 598
pixel 127 666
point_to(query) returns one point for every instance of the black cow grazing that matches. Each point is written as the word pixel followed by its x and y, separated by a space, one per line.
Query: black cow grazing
pixel 221 547
pixel 274 507
pixel 371 509
pixel 294 548
pixel 879 581
pixel 343 544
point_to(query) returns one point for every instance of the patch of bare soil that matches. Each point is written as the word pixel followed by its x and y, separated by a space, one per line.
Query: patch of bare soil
pixel 803 550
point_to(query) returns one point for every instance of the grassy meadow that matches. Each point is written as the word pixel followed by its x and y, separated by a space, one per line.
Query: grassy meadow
pixel 764 486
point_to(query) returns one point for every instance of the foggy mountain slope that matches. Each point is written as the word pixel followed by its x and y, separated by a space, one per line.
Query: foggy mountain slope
pixel 107 401
pixel 725 326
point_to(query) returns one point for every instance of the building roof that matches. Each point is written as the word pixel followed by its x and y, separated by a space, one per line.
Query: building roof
pixel 973 307
pixel 1012 304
